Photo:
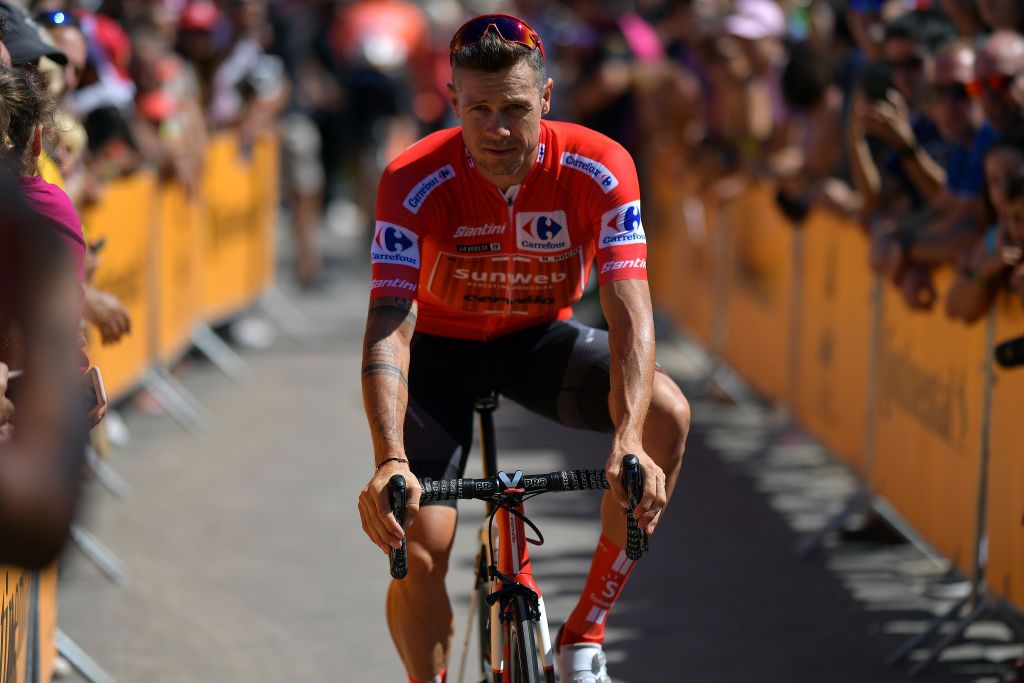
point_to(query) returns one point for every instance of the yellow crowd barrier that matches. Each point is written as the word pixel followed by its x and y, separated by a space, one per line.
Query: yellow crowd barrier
pixel 1005 508
pixel 834 335
pixel 760 274
pixel 901 396
pixel 15 625
pixel 928 421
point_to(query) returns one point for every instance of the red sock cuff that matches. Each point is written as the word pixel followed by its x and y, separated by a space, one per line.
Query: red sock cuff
pixel 608 574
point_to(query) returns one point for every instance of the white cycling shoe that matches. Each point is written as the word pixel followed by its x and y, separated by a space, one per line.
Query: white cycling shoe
pixel 582 663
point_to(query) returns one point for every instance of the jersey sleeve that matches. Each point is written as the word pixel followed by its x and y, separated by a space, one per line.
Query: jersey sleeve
pixel 395 249
pixel 621 241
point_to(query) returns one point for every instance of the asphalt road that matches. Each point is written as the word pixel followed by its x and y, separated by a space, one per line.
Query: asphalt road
pixel 247 563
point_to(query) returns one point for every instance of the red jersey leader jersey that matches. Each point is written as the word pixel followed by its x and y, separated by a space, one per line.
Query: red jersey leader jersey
pixel 480 266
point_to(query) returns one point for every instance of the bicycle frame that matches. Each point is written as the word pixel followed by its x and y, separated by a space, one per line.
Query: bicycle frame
pixel 513 560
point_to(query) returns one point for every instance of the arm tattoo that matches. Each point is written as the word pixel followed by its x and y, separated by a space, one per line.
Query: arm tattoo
pixel 395 307
pixel 385 369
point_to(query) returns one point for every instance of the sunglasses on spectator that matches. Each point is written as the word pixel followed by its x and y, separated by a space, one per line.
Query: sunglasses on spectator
pixel 994 84
pixel 508 28
pixel 58 19
pixel 910 63
pixel 955 92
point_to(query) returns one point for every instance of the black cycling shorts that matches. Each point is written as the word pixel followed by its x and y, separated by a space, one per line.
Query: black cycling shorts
pixel 559 370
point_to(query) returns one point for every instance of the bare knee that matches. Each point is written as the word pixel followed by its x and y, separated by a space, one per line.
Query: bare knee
pixel 668 423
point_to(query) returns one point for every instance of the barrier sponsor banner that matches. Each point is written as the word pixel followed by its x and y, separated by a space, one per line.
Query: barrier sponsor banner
pixel 47 621
pixel 681 247
pixel 232 222
pixel 835 335
pixel 125 218
pixel 267 182
pixel 759 303
pixel 177 293
pixel 1005 510
pixel 928 421
pixel 14 624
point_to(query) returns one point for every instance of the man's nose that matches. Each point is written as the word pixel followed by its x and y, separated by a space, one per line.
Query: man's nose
pixel 498 126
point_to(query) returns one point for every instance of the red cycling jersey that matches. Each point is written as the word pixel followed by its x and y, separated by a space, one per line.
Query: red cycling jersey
pixel 481 266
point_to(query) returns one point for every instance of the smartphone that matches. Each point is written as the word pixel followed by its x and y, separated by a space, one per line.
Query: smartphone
pixel 94 394
pixel 876 82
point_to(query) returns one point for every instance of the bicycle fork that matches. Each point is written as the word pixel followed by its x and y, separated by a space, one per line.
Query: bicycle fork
pixel 515 576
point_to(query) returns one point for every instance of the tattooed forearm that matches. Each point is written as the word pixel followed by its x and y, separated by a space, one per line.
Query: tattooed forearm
pixel 385 369
pixel 389 329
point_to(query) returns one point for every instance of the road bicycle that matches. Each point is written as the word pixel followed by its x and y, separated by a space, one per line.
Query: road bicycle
pixel 515 641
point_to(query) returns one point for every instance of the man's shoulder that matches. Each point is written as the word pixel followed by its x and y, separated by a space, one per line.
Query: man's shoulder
pixel 423 167
pixel 583 153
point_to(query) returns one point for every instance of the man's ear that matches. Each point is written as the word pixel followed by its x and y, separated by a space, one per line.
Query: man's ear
pixel 37 140
pixel 546 97
pixel 453 98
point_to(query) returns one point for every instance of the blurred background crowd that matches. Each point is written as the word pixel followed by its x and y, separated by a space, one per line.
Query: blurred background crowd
pixel 906 115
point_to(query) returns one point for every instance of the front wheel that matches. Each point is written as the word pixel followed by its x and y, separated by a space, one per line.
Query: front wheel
pixel 524 659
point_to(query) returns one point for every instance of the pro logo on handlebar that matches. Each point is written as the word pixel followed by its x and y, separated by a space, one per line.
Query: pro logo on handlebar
pixel 513 483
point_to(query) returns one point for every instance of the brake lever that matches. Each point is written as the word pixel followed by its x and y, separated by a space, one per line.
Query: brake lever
pixel 397 498
pixel 633 482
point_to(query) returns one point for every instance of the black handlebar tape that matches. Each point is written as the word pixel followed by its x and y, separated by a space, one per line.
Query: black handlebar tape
pixel 633 482
pixel 579 480
pixel 397 498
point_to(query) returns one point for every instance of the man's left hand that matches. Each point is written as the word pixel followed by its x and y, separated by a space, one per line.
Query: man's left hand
pixel 648 512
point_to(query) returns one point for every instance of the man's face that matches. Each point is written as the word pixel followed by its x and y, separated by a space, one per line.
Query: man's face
pixel 955 114
pixel 1001 165
pixel 907 66
pixel 500 114
pixel 998 66
pixel 72 43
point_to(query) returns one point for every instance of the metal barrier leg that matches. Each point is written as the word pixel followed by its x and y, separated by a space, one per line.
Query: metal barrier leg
pixel 175 402
pixel 286 315
pixel 811 544
pixel 80 660
pixel 184 395
pixel 921 638
pixel 979 611
pixel 219 353
pixel 100 555
pixel 105 474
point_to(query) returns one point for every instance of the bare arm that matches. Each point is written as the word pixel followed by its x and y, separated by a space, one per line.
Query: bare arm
pixel 389 328
pixel 627 307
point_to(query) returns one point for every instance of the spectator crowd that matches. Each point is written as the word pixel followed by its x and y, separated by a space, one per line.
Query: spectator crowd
pixel 907 115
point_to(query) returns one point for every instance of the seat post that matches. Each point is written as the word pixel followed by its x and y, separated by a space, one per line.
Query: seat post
pixel 485 407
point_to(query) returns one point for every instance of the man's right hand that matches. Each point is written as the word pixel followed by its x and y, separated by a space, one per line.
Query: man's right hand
pixel 375 509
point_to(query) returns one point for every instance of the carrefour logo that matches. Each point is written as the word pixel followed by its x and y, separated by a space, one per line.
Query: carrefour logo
pixel 414 200
pixel 542 230
pixel 595 169
pixel 396 245
pixel 622 225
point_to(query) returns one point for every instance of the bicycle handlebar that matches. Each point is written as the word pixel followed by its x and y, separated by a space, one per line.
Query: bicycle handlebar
pixel 486 489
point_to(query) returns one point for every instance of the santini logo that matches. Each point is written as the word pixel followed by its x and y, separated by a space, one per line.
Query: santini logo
pixel 542 231
pixel 621 226
pixel 619 265
pixel 414 200
pixel 393 283
pixel 487 230
pixel 396 245
pixel 595 169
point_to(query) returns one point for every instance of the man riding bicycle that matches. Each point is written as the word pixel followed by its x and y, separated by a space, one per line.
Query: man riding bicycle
pixel 484 240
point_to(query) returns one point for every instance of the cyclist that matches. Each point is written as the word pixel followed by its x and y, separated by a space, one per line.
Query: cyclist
pixel 484 239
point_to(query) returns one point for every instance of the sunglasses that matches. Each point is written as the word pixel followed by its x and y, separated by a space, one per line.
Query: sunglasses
pixel 908 64
pixel 508 28
pixel 58 18
pixel 993 84
pixel 955 92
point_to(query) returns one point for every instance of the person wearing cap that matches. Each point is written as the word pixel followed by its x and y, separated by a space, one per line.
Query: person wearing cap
pixel 484 241
pixel 25 40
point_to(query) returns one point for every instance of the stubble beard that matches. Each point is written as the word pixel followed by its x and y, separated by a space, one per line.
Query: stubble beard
pixel 503 168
